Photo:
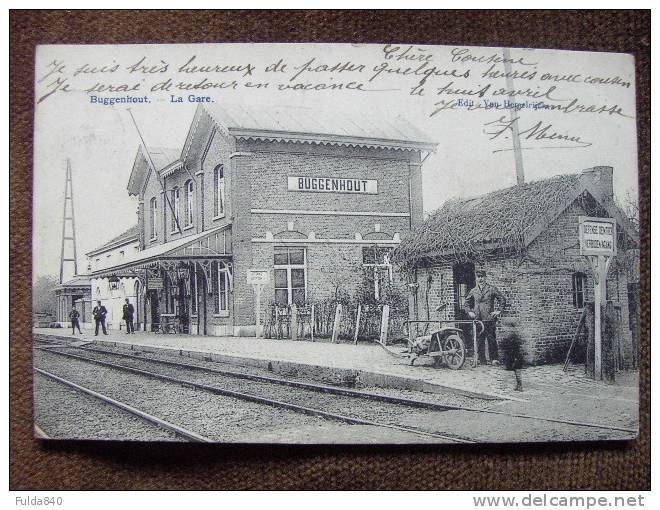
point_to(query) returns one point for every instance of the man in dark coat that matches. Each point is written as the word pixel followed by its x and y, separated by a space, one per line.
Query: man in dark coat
pixel 74 315
pixel 480 305
pixel 99 314
pixel 128 312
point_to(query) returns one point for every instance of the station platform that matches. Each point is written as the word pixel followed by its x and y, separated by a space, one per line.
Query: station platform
pixel 369 365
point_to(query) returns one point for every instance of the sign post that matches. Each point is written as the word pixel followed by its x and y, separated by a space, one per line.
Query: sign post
pixel 598 244
pixel 384 324
pixel 258 278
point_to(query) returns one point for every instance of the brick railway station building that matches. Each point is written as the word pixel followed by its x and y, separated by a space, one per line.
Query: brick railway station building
pixel 304 195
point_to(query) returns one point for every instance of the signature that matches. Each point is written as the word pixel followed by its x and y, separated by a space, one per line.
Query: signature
pixel 541 132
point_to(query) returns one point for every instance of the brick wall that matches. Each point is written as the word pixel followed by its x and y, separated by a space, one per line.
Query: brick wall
pixel 557 251
pixel 273 162
pixel 330 267
pixel 153 189
pixel 538 289
pixel 219 148
pixel 415 195
pixel 328 226
pixel 260 182
pixel 179 180
pixel 211 150
pixel 241 199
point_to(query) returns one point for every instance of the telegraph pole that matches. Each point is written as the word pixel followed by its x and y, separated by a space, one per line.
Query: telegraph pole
pixel 517 151
pixel 68 220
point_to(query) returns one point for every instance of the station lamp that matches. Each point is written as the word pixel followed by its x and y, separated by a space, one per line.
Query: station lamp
pixel 114 282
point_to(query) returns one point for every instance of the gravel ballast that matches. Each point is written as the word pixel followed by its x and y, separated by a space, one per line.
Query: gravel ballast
pixel 217 417
pixel 86 416
pixel 279 425
pixel 382 412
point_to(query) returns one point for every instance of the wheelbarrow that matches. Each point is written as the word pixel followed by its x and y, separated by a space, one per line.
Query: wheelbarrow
pixel 446 345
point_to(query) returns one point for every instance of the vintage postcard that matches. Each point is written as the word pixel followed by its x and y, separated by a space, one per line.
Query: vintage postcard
pixel 335 243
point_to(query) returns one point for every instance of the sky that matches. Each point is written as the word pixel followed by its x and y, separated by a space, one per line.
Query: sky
pixel 101 141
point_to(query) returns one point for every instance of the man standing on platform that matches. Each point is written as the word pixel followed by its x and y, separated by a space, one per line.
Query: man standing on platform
pixel 74 315
pixel 128 312
pixel 99 313
pixel 483 297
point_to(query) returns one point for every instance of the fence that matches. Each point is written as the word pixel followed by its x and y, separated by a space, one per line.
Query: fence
pixel 337 320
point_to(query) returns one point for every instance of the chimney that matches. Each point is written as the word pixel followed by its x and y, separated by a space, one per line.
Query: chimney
pixel 601 178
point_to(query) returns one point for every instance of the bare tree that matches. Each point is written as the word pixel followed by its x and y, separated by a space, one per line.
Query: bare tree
pixel 630 206
pixel 43 295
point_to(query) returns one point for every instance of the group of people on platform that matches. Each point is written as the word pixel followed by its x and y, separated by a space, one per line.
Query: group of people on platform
pixel 99 313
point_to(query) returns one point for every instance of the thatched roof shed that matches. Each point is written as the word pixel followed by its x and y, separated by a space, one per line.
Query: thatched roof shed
pixel 507 219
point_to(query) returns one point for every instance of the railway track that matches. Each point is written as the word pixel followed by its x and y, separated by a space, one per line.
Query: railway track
pixel 178 431
pixel 317 411
pixel 334 390
pixel 320 388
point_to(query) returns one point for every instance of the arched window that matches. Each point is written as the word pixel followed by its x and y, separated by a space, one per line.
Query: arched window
pixel 218 191
pixel 153 208
pixel 176 199
pixel 190 197
pixel 220 287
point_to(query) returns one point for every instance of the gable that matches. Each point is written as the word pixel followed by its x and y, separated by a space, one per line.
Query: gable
pixel 593 205
pixel 162 157
pixel 151 186
pixel 139 173
pixel 200 135
pixel 560 237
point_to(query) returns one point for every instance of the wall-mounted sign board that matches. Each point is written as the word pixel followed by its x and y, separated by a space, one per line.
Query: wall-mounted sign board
pixel 332 185
pixel 155 283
